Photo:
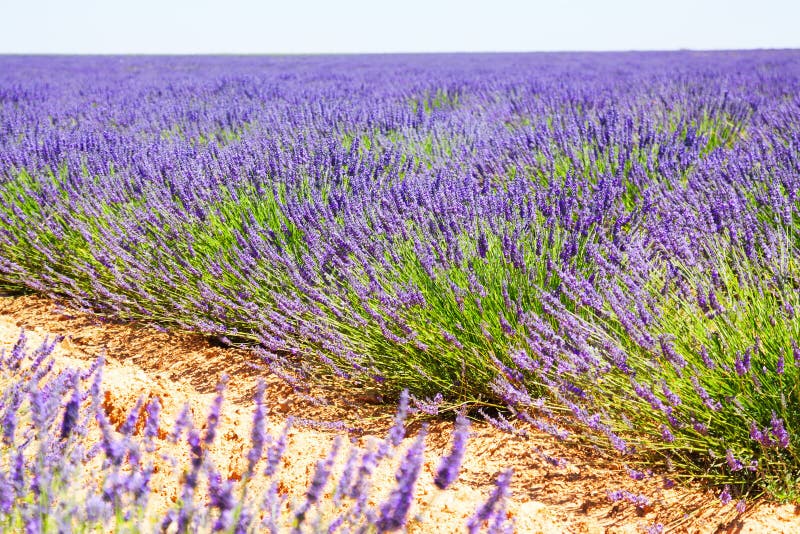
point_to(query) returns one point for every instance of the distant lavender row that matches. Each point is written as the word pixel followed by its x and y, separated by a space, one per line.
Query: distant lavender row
pixel 65 468
pixel 605 244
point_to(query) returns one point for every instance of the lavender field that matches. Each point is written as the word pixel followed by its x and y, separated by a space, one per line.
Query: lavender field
pixel 600 246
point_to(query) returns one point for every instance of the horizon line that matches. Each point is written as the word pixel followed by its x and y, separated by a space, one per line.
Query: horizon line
pixel 397 53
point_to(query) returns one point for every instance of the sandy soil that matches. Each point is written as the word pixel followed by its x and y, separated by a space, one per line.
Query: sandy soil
pixel 184 367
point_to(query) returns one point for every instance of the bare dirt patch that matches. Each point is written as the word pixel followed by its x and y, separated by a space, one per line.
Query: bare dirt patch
pixel 184 367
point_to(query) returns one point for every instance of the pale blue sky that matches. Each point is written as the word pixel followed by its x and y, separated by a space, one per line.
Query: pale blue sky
pixel 352 26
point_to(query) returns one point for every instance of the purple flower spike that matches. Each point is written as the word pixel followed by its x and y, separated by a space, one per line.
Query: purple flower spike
pixel 258 433
pixel 7 496
pixel 755 433
pixel 221 497
pixel 498 495
pixel 214 412
pixel 71 410
pixel 398 430
pixel 779 431
pixel 394 510
pixel 182 422
pixel 151 423
pixel 276 450
pixel 449 465
pixel 483 245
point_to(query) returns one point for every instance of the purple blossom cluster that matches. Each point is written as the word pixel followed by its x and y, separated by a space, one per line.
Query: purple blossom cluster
pixel 640 501
pixel 66 468
pixel 605 243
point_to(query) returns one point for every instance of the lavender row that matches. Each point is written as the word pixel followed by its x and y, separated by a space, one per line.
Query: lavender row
pixel 603 244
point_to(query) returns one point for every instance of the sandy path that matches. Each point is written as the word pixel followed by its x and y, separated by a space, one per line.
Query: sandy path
pixel 180 368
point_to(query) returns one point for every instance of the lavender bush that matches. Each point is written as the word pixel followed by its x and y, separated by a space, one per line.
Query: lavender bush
pixel 65 468
pixel 605 245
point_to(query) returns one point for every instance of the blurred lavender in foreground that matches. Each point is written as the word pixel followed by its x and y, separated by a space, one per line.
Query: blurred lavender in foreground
pixel 46 483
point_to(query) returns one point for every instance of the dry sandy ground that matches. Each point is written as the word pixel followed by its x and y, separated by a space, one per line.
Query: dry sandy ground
pixel 183 367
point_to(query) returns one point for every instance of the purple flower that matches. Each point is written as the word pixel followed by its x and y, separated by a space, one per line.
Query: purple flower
pixel 182 422
pixel 315 212
pixel 779 431
pixel 429 406
pixel 258 433
pixel 449 465
pixel 245 519
pixel 18 472
pixel 346 480
pixel 733 463
pixel 712 300
pixel 505 325
pixel 358 491
pixel 450 338
pixel 17 352
pixel 700 428
pixel 276 450
pixel 318 483
pixel 9 420
pixel 725 496
pixel 636 475
pixel 398 430
pixel 483 245
pixel 214 412
pixel 153 410
pixel 394 510
pixel 195 457
pixel 755 433
pixel 220 493
pixel 7 495
pixel 742 363
pixel 114 449
pixel 71 410
pixel 501 423
pixel 138 485
pixel 707 361
pixel 129 425
pixel 624 495
pixel 701 299
pixel 496 499
pixel 673 399
pixel 322 473
pixel 671 354
pixel 96 508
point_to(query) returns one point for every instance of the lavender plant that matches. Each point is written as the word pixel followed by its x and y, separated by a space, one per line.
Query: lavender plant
pixel 604 245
